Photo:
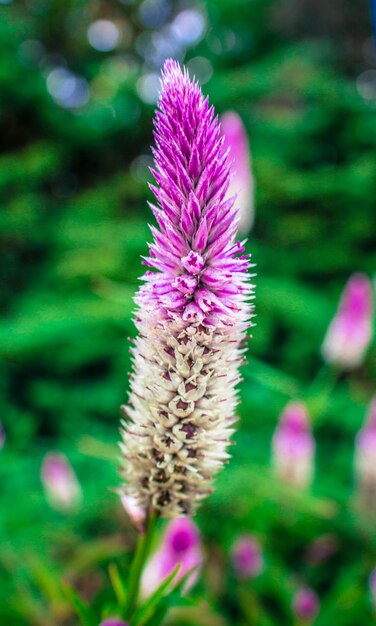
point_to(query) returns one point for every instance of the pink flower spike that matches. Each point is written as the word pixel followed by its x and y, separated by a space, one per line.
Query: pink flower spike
pixel 306 604
pixel 193 312
pixel 365 461
pixel 242 182
pixel 294 446
pixel 350 332
pixel 246 556
pixel 60 482
pixel 180 545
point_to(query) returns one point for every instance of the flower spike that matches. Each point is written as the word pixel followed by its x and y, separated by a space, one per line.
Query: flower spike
pixel 192 315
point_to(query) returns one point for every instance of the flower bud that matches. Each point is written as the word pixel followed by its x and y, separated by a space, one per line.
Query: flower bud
pixel 294 446
pixel 365 461
pixel 2 435
pixel 350 332
pixel 246 556
pixel 113 621
pixel 60 482
pixel 306 604
pixel 180 545
pixel 242 182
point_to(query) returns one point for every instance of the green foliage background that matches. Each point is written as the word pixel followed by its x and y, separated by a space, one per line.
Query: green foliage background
pixel 73 224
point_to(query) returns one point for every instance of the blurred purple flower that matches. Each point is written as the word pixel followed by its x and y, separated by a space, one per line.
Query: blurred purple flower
pixel 2 435
pixel 113 621
pixel 306 604
pixel 180 545
pixel 242 182
pixel 350 332
pixel 60 482
pixel 246 556
pixel 294 446
pixel 365 460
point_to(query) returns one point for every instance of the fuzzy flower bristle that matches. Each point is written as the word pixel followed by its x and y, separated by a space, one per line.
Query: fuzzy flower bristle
pixel 192 314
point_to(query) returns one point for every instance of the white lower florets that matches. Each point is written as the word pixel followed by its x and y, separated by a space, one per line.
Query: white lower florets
pixel 181 410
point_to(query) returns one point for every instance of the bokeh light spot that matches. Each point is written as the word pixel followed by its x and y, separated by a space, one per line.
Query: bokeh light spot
pixel 103 35
pixel 148 87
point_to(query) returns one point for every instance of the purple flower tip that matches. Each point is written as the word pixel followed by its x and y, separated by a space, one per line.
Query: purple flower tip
pixel 350 332
pixel 294 445
pixel 182 535
pixel 180 545
pixel 293 434
pixel 60 482
pixel 306 604
pixel 246 557
pixel 113 621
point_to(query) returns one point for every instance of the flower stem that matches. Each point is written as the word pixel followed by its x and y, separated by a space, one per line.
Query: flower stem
pixel 142 551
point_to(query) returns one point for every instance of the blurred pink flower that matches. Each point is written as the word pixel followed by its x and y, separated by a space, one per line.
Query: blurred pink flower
pixel 246 556
pixel 180 545
pixel 2 435
pixel 350 332
pixel 242 182
pixel 113 621
pixel 294 446
pixel 306 604
pixel 60 482
pixel 135 512
pixel 365 460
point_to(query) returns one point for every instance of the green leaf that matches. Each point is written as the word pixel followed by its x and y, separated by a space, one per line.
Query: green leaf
pixel 146 611
pixel 84 612
pixel 118 584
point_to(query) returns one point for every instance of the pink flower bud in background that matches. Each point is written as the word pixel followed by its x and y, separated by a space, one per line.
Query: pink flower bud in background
pixel 113 621
pixel 180 545
pixel 2 435
pixel 306 604
pixel 372 587
pixel 365 461
pixel 242 182
pixel 59 481
pixel 246 556
pixel 350 332
pixel 135 512
pixel 294 446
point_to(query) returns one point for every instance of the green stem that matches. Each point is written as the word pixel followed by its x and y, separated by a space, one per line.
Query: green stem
pixel 142 551
pixel 321 388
